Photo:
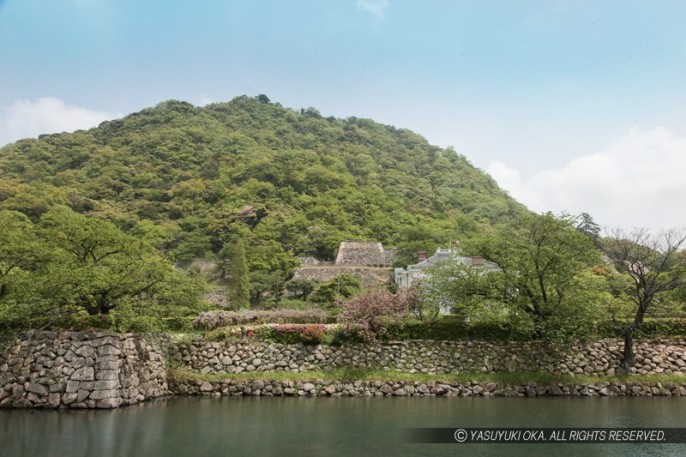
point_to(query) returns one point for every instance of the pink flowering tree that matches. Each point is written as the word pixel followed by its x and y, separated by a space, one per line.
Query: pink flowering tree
pixel 367 314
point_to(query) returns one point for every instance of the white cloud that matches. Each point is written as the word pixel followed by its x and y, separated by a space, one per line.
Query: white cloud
pixel 510 179
pixel 30 118
pixel 201 99
pixel 376 7
pixel 637 181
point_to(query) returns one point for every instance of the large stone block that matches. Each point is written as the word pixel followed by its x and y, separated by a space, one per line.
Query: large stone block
pixel 54 400
pixel 108 350
pixel 69 398
pixel 106 375
pixel 104 394
pixel 83 374
pixel 108 403
pixel 39 389
pixel 72 387
pixel 22 403
pixel 105 340
pixel 85 351
pixel 82 394
pixel 107 365
pixel 110 384
pixel 57 387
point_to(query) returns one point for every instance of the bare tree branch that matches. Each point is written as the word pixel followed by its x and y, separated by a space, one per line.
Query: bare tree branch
pixel 653 263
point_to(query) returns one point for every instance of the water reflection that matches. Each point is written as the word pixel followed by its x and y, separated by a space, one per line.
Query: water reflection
pixel 326 426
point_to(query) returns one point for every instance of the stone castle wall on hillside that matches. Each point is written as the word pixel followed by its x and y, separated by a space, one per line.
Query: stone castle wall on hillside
pixel 433 357
pixel 368 261
pixel 370 277
pixel 81 370
pixel 360 253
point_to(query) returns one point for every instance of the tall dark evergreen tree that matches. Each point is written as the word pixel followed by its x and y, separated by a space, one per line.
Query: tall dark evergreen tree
pixel 586 224
pixel 239 284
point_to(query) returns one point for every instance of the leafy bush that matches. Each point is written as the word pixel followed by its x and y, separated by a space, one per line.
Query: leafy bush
pixel 450 329
pixel 652 327
pixel 293 334
pixel 454 328
pixel 214 319
pixel 341 287
pixel 372 313
pixel 445 328
pixel 349 334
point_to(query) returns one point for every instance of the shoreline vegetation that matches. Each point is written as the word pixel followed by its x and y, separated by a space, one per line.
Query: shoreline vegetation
pixel 351 375
pixel 382 383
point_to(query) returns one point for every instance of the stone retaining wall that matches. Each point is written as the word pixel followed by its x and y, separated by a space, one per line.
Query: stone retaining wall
pixel 107 370
pixel 81 370
pixel 319 388
pixel 434 357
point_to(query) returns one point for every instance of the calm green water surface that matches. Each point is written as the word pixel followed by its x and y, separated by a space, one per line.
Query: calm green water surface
pixel 327 427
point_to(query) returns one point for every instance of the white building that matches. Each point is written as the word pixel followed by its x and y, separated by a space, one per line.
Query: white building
pixel 404 277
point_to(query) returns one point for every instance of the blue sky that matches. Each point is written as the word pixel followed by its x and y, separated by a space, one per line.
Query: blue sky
pixel 570 105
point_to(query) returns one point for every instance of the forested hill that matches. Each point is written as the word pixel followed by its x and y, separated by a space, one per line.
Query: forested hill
pixel 191 179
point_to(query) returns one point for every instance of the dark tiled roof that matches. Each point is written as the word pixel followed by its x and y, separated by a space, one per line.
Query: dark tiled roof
pixel 442 255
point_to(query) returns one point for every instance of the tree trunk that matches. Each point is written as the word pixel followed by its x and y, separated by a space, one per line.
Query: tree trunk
pixel 92 310
pixel 628 357
pixel 97 310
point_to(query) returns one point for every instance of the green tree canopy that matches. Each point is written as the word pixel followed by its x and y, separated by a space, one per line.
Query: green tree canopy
pixel 20 248
pixel 542 259
pixel 97 266
pixel 70 264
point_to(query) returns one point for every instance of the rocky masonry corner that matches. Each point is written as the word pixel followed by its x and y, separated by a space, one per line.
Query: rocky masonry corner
pixel 81 370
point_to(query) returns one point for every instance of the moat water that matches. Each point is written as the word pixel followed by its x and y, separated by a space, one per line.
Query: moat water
pixel 358 427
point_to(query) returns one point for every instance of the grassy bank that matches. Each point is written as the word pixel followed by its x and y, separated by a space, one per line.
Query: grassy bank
pixel 396 376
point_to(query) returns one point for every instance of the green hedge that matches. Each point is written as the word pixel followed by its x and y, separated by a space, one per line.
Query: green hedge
pixel 652 327
pixel 446 328
pixel 450 328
